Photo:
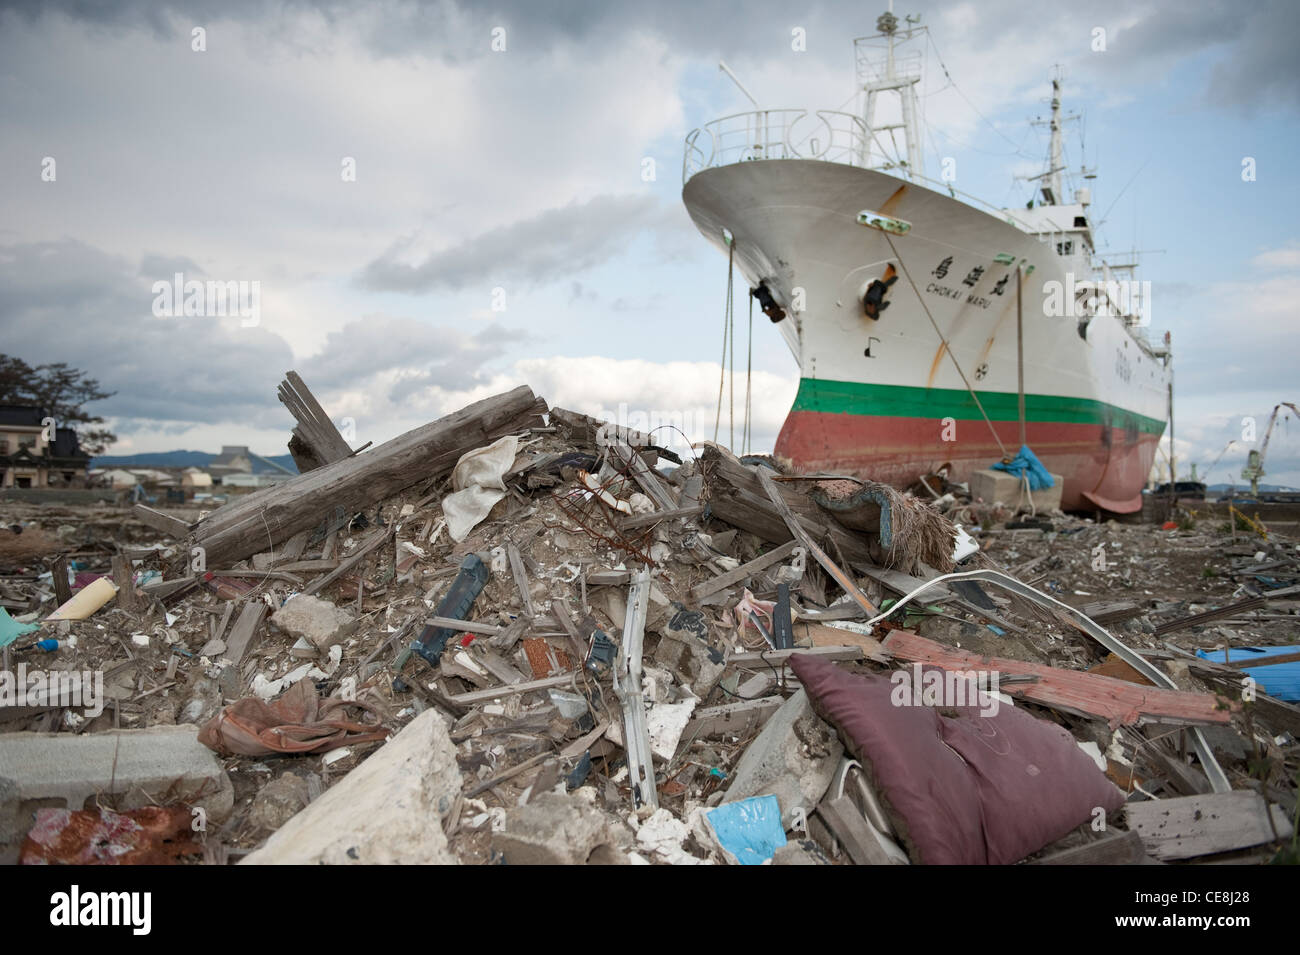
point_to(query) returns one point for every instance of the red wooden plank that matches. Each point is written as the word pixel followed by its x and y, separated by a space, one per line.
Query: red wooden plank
pixel 1116 701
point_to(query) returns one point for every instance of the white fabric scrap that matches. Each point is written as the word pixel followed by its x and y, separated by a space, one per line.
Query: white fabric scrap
pixel 478 483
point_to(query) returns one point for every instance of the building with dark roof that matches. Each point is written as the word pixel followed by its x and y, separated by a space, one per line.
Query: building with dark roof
pixel 34 455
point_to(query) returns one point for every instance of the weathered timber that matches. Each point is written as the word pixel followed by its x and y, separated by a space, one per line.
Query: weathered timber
pixel 761 562
pixel 737 497
pixel 275 514
pixel 846 582
pixel 163 523
pixel 1191 826
pixel 319 441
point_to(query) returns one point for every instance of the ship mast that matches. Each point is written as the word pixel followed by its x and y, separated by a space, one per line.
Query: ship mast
pixel 1058 154
pixel 1052 188
pixel 888 77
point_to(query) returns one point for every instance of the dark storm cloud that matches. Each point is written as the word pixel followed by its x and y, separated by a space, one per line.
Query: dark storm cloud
pixel 1256 40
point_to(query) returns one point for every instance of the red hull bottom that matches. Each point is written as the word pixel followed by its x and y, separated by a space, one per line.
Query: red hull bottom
pixel 1103 467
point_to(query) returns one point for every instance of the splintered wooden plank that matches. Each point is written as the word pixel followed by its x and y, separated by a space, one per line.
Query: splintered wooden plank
pixel 245 629
pixel 1192 826
pixel 761 562
pixel 839 576
pixel 1072 691
pixel 163 523
pixel 274 514
pixel 521 579
pixel 854 833
pixel 315 428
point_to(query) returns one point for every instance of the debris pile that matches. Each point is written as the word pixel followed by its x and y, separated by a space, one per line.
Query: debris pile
pixel 518 635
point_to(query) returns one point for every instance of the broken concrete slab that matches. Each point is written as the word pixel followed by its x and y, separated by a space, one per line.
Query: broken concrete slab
pixel 279 801
pixel 793 758
pixel 690 660
pixel 387 811
pixel 159 765
pixel 315 620
pixel 999 487
pixel 561 830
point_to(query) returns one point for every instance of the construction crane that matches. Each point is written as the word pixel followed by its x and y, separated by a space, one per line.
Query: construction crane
pixel 1254 469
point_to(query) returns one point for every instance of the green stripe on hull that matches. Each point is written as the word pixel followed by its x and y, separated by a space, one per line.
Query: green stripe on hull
pixel 904 401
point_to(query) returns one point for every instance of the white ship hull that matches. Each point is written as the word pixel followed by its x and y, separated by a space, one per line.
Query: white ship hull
pixel 880 397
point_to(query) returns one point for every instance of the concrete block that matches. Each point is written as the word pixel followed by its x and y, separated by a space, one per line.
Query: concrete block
pixel 1000 487
pixel 279 801
pixel 317 621
pixel 688 658
pixel 387 811
pixel 556 829
pixel 161 765
pixel 793 758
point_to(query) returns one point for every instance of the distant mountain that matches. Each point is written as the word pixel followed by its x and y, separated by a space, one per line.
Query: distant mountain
pixel 183 459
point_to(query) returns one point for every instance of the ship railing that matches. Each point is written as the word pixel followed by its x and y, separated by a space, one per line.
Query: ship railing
pixel 828 135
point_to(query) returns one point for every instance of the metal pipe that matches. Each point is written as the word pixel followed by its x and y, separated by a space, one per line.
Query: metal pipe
pixel 1020 354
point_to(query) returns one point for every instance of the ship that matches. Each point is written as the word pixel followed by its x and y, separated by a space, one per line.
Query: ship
pixel 934 332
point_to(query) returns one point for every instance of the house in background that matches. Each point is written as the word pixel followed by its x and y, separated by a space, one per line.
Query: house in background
pixel 233 459
pixel 195 478
pixel 114 477
pixel 29 459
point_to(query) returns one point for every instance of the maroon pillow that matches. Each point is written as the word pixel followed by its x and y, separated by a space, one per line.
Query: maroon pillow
pixel 960 787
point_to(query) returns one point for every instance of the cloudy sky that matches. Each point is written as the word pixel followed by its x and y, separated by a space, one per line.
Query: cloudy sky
pixel 431 220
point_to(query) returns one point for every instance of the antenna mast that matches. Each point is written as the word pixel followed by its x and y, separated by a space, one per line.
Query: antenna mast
pixel 893 74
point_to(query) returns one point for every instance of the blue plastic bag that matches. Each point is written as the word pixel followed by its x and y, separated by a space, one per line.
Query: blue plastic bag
pixel 1026 462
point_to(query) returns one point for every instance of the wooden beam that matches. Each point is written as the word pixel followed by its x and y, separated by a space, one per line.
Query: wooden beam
pixel 1192 826
pixel 1114 848
pixel 361 553
pixel 315 429
pixel 274 514
pixel 840 577
pixel 59 574
pixel 163 523
pixel 487 696
pixel 124 577
pixel 854 833
pixel 521 578
pixel 644 520
pixel 779 656
pixel 1072 691
pixel 246 627
pixel 761 562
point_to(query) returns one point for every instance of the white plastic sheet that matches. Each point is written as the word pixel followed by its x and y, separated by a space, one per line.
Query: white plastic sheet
pixel 478 485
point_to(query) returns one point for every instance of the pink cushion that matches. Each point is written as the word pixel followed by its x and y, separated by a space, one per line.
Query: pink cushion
pixel 960 787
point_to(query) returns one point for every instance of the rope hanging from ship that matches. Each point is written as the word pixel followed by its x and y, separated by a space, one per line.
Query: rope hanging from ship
pixel 728 335
pixel 947 349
